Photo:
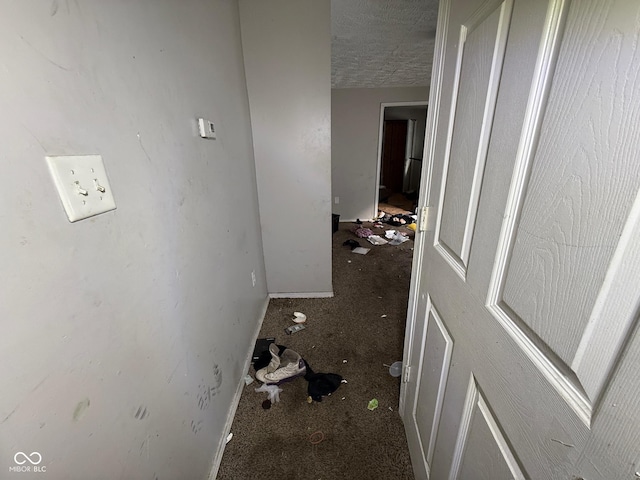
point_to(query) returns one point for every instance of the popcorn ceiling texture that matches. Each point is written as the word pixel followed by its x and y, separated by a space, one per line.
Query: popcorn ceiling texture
pixel 382 43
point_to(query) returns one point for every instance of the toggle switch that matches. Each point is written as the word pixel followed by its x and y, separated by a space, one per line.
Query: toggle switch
pixel 99 187
pixel 81 190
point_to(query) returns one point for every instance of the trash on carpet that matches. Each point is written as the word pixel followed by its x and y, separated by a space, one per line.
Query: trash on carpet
pixel 294 328
pixel 262 346
pixel 396 220
pixel 373 404
pixel 398 238
pixel 299 317
pixel 248 379
pixel 395 369
pixel 399 220
pixel 284 365
pixel 360 250
pixel 377 240
pixel 351 243
pixel 363 232
pixel 272 390
pixel 229 437
pixel 316 437
pixel 321 384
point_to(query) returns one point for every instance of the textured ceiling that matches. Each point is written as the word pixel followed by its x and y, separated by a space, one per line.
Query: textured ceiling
pixel 382 43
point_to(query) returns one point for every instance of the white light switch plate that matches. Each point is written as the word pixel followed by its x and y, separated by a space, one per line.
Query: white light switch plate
pixel 82 184
pixel 206 128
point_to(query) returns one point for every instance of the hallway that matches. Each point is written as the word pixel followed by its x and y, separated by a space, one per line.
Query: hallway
pixel 353 334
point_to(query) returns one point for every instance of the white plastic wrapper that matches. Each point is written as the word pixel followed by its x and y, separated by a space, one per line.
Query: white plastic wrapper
pixel 272 390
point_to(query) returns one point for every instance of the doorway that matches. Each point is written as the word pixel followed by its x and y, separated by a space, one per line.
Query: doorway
pixel 400 147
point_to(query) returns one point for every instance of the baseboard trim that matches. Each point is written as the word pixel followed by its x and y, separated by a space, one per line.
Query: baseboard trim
pixel 302 295
pixel 217 459
pixel 353 220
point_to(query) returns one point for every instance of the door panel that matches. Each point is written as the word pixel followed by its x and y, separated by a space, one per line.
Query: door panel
pixel 431 381
pixel 480 437
pixel 479 62
pixel 528 366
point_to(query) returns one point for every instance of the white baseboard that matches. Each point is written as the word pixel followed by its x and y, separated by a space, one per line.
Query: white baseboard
pixel 353 220
pixel 302 295
pixel 217 459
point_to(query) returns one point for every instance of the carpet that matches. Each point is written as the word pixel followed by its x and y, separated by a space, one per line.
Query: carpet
pixel 353 334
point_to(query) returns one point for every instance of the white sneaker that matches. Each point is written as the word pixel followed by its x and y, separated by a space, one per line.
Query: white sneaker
pixel 291 366
pixel 273 364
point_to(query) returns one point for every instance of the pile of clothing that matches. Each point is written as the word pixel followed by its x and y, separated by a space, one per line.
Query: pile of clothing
pixel 395 220
pixel 280 364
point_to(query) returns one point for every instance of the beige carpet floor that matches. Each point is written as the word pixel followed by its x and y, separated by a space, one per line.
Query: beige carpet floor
pixel 354 335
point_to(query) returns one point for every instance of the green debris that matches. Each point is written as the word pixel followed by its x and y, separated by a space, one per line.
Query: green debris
pixel 373 404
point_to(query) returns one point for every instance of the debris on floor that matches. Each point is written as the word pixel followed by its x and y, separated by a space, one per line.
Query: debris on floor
pixel 272 390
pixel 396 220
pixel 262 346
pixel 395 369
pixel 299 317
pixel 360 250
pixel 396 237
pixel 363 232
pixel 321 384
pixel 351 243
pixel 373 404
pixel 294 328
pixel 399 220
pixel 248 379
pixel 376 240
pixel 316 437
pixel 284 365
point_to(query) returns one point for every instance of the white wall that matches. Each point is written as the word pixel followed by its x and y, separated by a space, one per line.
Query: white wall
pixel 355 123
pixel 124 337
pixel 287 51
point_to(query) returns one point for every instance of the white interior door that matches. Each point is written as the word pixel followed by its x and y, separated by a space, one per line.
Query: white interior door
pixel 521 349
